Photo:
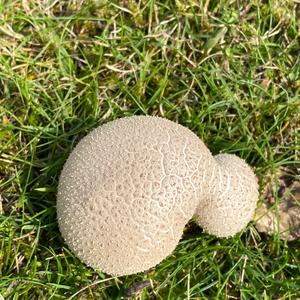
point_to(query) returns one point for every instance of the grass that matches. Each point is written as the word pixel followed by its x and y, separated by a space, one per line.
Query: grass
pixel 228 70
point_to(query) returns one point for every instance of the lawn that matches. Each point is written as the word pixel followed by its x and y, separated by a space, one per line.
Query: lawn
pixel 228 70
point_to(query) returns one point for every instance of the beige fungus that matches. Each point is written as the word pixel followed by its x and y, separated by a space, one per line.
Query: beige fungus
pixel 130 186
pixel 231 201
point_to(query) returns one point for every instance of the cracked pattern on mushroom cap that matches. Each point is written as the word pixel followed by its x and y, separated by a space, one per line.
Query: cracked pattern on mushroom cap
pixel 231 201
pixel 128 189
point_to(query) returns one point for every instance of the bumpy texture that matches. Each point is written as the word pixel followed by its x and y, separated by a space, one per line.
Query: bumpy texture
pixel 130 186
pixel 230 202
pixel 128 189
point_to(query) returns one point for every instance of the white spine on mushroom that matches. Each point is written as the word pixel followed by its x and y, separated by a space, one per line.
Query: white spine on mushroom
pixel 130 186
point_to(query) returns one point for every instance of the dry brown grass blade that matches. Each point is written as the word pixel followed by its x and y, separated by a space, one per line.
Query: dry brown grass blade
pixel 284 218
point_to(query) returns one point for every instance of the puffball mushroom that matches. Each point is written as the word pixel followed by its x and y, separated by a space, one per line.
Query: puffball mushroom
pixel 230 204
pixel 130 186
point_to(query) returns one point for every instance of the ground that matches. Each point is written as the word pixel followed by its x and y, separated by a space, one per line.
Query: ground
pixel 228 70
